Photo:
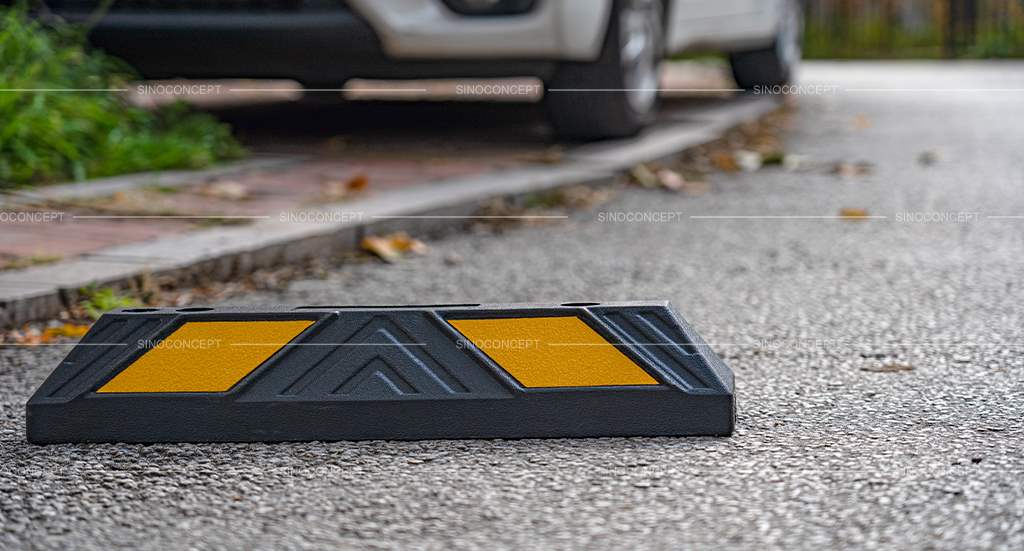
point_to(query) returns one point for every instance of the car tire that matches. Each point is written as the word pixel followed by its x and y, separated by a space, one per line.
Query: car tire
pixel 777 64
pixel 615 96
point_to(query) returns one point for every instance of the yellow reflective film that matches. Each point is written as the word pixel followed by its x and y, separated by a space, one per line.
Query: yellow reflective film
pixel 552 352
pixel 205 356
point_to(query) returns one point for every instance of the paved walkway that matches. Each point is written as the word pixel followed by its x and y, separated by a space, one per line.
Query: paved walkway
pixel 387 145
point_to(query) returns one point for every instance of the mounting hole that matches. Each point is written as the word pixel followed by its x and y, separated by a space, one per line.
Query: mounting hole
pixel 140 310
pixel 581 304
pixel 193 309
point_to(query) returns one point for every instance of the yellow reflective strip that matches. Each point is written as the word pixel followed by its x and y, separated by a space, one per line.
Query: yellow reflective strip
pixel 205 356
pixel 552 352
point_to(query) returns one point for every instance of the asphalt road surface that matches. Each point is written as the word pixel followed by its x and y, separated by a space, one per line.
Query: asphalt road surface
pixel 878 364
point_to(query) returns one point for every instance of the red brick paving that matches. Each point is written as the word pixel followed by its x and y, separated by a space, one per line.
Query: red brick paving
pixel 268 193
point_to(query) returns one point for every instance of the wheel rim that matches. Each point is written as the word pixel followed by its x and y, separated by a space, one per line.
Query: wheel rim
pixel 640 30
pixel 788 46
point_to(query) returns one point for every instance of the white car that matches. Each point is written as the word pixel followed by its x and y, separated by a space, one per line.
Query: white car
pixel 602 55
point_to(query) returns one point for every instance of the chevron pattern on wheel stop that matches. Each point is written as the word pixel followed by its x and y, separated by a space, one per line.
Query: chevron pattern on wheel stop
pixel 411 356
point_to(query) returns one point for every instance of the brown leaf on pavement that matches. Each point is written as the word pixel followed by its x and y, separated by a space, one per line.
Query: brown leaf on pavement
pixel 27 335
pixel 392 247
pixel 357 183
pixel 725 161
pixel 674 181
pixel 407 244
pixel 862 122
pixel 64 330
pixel 851 170
pixel 671 180
pixel 33 335
pixel 338 189
pixel 853 214
pixel 644 176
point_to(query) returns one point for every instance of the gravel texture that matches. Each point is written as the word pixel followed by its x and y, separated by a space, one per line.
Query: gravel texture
pixel 878 366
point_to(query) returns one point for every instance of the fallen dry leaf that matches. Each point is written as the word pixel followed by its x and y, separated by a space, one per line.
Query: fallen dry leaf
pixel 27 335
pixel 407 244
pixel 227 189
pixel 357 183
pixel 724 161
pixel 66 330
pixel 392 247
pixel 677 182
pixel 342 189
pixel 671 180
pixel 861 122
pixel 850 170
pixel 853 214
pixel 644 176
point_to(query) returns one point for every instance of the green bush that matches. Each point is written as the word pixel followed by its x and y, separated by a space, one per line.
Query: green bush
pixel 48 133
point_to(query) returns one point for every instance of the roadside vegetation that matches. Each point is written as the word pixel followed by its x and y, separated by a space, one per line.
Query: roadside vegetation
pixel 97 300
pixel 914 29
pixel 50 133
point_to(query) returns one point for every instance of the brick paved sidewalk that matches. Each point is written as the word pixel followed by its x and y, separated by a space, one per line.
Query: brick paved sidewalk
pixel 62 230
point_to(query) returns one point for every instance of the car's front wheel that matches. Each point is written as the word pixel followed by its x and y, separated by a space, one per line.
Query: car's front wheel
pixel 617 95
pixel 777 64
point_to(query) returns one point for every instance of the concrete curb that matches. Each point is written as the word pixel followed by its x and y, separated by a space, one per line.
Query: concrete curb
pixel 221 253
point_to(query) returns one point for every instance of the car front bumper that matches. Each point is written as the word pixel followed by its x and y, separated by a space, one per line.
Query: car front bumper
pixel 363 38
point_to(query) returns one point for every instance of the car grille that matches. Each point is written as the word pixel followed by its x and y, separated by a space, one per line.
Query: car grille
pixel 179 6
